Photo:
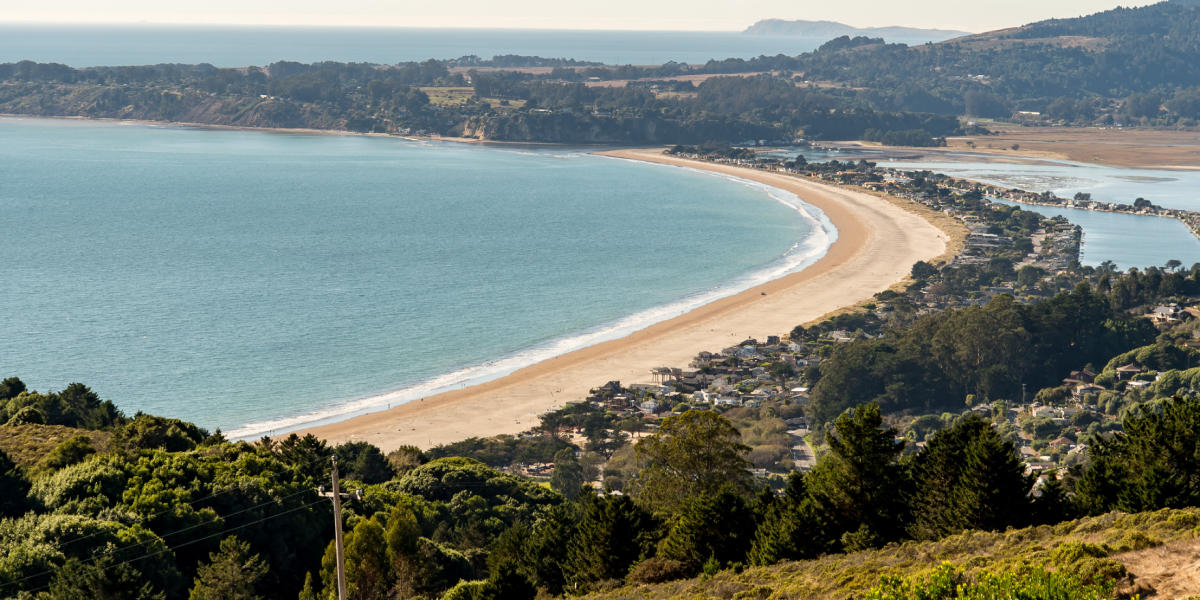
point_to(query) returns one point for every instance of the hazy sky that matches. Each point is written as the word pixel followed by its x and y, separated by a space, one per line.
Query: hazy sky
pixel 976 15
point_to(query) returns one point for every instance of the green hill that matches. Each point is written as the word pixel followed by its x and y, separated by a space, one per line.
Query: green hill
pixel 1134 552
pixel 1100 58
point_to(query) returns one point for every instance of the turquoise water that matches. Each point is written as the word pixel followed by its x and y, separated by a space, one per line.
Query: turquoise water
pixel 94 45
pixel 254 281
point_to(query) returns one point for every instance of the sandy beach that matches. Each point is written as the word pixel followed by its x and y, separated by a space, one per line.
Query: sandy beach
pixel 878 241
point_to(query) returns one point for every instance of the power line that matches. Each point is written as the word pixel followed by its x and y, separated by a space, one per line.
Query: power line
pixel 162 537
pixel 195 541
pixel 62 545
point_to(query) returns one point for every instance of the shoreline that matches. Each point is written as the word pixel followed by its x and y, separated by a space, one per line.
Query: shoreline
pixel 306 131
pixel 877 243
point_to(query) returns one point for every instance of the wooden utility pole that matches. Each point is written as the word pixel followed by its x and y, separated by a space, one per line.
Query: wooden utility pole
pixel 336 496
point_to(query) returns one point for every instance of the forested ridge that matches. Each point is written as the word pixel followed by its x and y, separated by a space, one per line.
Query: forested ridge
pixel 1126 66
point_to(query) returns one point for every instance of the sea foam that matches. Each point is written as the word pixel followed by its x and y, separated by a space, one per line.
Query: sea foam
pixel 800 255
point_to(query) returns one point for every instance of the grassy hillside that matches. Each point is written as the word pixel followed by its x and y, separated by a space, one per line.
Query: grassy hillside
pixel 1095 549
pixel 28 443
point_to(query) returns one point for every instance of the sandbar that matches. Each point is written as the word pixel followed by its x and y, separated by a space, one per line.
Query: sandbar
pixel 878 241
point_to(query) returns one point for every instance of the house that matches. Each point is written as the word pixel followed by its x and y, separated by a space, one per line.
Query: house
pixel 1169 313
pixel 841 337
pixel 1082 376
pixel 1128 371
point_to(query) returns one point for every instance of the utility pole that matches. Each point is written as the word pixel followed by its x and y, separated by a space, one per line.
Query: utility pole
pixel 336 496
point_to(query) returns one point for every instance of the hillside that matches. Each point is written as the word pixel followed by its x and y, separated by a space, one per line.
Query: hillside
pixel 1122 66
pixel 1142 553
pixel 832 29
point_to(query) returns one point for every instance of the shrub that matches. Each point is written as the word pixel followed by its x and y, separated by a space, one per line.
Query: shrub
pixel 658 570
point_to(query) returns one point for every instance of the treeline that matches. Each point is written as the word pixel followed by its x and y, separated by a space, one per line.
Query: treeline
pixel 388 98
pixel 218 519
pixel 985 353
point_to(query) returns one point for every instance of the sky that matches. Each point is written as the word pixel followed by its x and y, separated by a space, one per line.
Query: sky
pixel 696 15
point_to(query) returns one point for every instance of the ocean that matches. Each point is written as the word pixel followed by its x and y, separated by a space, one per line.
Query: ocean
pixel 255 281
pixel 228 46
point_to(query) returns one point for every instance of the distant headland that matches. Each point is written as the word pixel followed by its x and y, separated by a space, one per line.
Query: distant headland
pixel 832 29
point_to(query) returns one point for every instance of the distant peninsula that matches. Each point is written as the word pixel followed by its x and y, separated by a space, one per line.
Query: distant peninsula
pixel 832 29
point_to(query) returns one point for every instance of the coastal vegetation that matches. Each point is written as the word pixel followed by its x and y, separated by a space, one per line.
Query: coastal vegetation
pixel 144 521
pixel 1125 66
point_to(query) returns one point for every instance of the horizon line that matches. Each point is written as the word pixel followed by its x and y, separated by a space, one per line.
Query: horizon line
pixel 36 23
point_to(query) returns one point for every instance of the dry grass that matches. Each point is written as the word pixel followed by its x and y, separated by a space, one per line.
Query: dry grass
pixel 448 96
pixel 1095 546
pixel 1147 148
pixel 27 444
pixel 1169 572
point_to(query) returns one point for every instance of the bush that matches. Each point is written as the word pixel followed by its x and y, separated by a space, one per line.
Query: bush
pixel 946 581
pixel 28 415
pixel 658 570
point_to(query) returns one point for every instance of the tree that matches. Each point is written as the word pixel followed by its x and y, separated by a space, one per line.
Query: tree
pixel 568 474
pixel 613 534
pixel 403 539
pixel 858 486
pixel 1152 464
pixel 405 459
pixel 694 454
pixel 232 573
pixel 981 103
pixel 11 387
pixel 71 451
pixel 967 477
pixel 507 583
pixel 364 462
pixel 14 499
pixel 151 432
pixel 789 529
pixel 1053 505
pixel 309 591
pixel 367 574
pixel 308 454
pixel 718 527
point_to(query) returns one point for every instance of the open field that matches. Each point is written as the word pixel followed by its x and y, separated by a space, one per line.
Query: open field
pixel 1143 148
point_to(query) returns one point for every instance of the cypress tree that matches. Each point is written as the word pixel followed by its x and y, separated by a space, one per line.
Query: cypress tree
pixel 858 488
pixel 968 477
pixel 719 527
pixel 613 534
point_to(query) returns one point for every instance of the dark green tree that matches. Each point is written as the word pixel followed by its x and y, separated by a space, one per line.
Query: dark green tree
pixel 14 488
pixel 1153 464
pixel 363 462
pixel 568 474
pixel 11 387
pixel 232 573
pixel 858 487
pixel 613 534
pixel 968 477
pixel 789 527
pixel 718 527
